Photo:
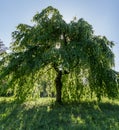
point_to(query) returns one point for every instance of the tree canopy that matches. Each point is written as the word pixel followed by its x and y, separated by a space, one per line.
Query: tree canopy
pixel 65 55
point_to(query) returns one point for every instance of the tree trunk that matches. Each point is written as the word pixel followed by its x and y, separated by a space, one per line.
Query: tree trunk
pixel 58 84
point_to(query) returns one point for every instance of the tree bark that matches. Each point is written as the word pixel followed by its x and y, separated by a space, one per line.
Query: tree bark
pixel 58 84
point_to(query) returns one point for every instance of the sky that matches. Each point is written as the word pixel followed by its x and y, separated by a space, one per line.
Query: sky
pixel 103 15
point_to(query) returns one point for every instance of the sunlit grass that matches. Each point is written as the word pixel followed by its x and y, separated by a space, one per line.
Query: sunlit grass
pixel 44 114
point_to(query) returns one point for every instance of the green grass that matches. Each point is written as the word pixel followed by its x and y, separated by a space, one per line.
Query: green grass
pixel 43 114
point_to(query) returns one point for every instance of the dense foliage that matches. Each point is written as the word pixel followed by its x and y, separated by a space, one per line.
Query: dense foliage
pixel 3 49
pixel 53 54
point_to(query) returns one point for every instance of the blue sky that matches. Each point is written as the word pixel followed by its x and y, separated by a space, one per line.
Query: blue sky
pixel 103 15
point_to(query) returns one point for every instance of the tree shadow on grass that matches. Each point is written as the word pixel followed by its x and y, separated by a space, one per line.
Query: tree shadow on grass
pixel 74 116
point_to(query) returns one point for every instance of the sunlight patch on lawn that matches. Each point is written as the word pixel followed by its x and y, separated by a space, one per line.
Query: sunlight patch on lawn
pixel 77 119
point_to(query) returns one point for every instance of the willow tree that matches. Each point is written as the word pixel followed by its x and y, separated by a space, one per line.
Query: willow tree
pixel 66 48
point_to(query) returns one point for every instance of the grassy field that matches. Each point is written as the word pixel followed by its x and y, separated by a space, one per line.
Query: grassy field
pixel 43 114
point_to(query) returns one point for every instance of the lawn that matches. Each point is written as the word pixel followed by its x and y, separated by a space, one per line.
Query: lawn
pixel 44 114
